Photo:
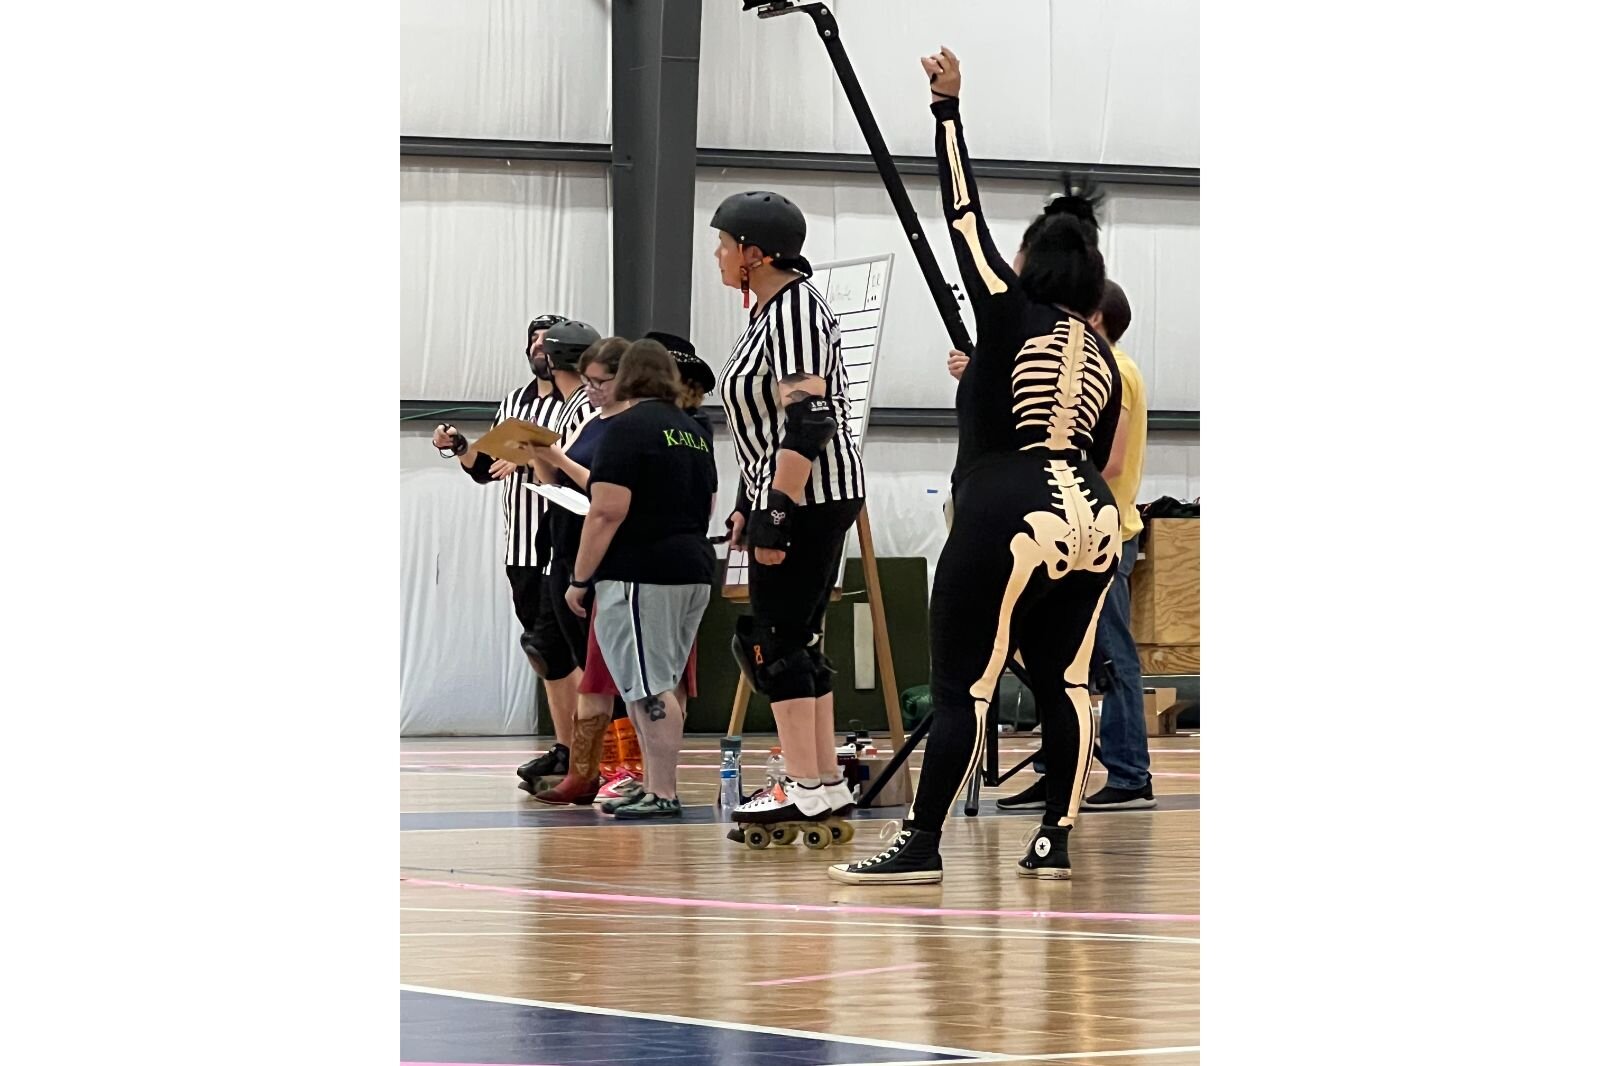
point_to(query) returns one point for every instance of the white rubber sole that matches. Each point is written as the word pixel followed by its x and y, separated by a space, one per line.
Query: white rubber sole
pixel 916 877
pixel 1047 873
pixel 1140 804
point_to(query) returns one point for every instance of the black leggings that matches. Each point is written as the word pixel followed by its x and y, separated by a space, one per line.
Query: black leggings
pixel 1032 550
pixel 571 631
pixel 789 600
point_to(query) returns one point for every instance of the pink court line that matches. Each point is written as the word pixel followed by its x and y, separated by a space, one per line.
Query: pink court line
pixel 801 908
pixel 418 753
pixel 831 976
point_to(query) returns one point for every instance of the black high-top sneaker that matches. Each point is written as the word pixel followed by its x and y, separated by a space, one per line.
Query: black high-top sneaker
pixel 912 858
pixel 552 763
pixel 1047 854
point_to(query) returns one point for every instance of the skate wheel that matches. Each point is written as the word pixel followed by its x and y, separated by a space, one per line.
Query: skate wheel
pixel 783 834
pixel 843 832
pixel 817 839
pixel 757 838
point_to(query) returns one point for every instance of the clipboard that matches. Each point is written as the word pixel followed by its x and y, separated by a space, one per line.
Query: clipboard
pixel 512 439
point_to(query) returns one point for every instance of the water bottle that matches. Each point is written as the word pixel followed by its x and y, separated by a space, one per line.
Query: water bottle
pixel 775 767
pixel 730 795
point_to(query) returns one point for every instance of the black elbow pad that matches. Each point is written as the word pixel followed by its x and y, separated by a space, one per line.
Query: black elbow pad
pixel 808 426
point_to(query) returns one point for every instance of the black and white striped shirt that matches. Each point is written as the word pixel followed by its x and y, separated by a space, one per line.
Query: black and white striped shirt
pixel 522 510
pixel 575 413
pixel 795 333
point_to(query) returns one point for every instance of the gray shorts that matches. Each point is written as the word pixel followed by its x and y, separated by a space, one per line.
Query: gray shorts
pixel 645 633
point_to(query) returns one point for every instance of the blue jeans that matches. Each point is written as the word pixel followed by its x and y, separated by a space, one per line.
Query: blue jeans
pixel 1124 746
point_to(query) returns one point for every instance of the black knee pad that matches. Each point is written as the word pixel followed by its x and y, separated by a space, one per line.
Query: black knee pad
pixel 776 672
pixel 530 648
pixel 822 671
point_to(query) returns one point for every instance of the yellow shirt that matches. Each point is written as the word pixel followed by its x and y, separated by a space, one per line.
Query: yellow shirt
pixel 1125 486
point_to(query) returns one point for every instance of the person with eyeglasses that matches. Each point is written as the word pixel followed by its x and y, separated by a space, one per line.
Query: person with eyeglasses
pixel 566 464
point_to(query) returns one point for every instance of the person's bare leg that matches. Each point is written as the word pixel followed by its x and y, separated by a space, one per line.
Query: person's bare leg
pixel 663 743
pixel 641 722
pixel 797 734
pixel 827 740
pixel 563 697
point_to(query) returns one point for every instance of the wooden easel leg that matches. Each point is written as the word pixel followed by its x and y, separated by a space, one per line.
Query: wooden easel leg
pixel 880 632
pixel 741 703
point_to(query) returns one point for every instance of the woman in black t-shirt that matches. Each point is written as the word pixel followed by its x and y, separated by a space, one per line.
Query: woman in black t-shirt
pixel 644 567
pixel 567 464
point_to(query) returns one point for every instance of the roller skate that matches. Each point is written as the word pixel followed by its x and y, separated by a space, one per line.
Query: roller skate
pixel 912 858
pixel 1047 854
pixel 786 813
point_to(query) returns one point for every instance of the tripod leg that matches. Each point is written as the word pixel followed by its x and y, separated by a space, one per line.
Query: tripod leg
pixel 897 762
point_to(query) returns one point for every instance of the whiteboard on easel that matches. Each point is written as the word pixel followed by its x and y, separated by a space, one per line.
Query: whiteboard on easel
pixel 856 291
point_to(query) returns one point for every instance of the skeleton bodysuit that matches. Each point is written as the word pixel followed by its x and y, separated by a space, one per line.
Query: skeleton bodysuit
pixel 1035 537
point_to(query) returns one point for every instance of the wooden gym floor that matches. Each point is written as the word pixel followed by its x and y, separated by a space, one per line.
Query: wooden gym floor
pixel 538 935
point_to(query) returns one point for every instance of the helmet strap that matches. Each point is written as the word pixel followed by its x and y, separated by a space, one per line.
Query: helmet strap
pixel 744 278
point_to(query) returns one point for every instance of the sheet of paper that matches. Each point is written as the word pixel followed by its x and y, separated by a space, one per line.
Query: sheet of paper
pixel 562 496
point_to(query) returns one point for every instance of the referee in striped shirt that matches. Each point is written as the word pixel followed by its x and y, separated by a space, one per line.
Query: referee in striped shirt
pixel 801 487
pixel 527 541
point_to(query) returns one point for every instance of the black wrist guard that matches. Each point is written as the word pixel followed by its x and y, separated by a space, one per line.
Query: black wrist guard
pixel 768 527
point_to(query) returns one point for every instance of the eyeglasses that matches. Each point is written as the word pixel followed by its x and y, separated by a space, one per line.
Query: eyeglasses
pixel 596 383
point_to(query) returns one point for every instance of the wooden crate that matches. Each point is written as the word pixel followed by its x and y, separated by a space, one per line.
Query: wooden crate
pixel 1165 587
pixel 1156 659
pixel 1160 712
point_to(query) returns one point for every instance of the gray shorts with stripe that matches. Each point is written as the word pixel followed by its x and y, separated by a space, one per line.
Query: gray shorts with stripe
pixel 645 633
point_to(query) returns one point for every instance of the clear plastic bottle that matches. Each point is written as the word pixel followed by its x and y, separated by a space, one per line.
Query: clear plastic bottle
pixel 775 767
pixel 730 794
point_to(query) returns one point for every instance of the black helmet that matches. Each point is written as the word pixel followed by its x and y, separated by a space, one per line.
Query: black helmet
pixel 768 220
pixel 542 322
pixel 691 368
pixel 567 340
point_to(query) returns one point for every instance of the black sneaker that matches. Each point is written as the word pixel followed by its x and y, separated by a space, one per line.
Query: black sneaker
pixel 552 763
pixel 1047 854
pixel 1121 799
pixel 1029 799
pixel 912 858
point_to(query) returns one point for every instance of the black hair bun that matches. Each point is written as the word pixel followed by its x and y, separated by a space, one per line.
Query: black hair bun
pixel 1081 201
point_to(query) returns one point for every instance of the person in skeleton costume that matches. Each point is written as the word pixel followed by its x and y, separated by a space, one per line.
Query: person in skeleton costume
pixel 1034 539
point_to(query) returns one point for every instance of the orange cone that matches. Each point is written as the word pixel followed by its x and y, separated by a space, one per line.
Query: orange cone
pixel 632 754
pixel 611 752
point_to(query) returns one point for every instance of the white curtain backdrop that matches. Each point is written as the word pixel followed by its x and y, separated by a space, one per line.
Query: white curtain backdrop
pixel 461 667
pixel 529 70
pixel 485 246
pixel 1088 81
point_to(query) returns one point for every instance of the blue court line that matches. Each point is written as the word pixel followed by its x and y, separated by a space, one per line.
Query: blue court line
pixel 437 1028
